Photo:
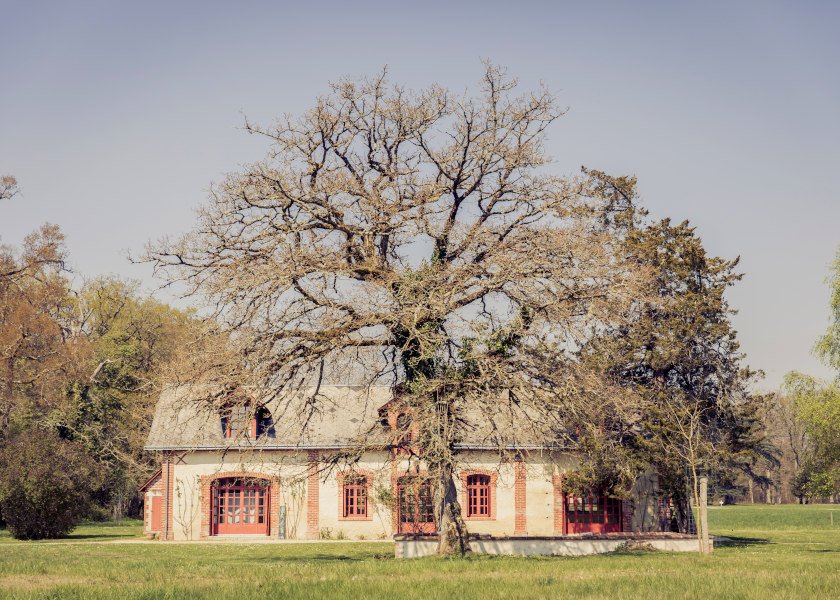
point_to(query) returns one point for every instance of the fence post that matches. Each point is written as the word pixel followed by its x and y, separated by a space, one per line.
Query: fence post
pixel 704 515
pixel 281 530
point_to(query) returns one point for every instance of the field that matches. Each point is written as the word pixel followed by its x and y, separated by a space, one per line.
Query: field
pixel 775 552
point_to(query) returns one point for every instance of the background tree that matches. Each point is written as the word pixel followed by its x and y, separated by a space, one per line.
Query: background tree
pixel 83 363
pixel 422 229
pixel 786 433
pixel 37 352
pixel 817 407
pixel 681 355
pixel 828 346
pixel 132 339
pixel 8 187
pixel 45 484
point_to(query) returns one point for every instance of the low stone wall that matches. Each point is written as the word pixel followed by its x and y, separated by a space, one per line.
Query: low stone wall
pixel 418 546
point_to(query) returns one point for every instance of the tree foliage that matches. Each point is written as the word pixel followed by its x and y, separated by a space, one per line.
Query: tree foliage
pixel 818 409
pixel 828 345
pixel 132 339
pixel 680 354
pixel 45 484
pixel 37 352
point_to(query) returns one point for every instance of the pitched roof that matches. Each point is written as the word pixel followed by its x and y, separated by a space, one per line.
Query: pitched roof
pixel 343 416
pixel 151 480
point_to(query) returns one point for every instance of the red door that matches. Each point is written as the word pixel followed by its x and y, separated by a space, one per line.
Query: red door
pixel 240 507
pixel 415 509
pixel 157 519
pixel 592 513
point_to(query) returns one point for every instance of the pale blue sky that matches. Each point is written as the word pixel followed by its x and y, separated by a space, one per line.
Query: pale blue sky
pixel 116 117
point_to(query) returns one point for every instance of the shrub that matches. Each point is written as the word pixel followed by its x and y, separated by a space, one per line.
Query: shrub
pixel 45 485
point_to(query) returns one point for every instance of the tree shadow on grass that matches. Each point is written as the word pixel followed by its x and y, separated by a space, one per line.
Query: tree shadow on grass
pixel 99 536
pixel 308 558
pixel 731 541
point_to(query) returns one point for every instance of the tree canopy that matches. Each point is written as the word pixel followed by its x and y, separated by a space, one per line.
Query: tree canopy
pixel 680 354
pixel 423 226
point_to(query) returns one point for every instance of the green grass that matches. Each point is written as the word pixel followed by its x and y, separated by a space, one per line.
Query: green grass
pixel 776 552
pixel 127 529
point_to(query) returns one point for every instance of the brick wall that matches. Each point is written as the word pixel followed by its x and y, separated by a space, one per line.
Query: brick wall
pixel 312 499
pixel 559 505
pixel 520 526
pixel 168 471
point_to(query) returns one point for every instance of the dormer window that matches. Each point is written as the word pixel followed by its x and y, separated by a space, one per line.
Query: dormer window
pixel 405 429
pixel 243 420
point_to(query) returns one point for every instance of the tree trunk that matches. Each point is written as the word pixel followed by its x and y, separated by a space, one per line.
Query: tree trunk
pixel 7 400
pixel 769 498
pixel 695 500
pixel 752 492
pixel 454 537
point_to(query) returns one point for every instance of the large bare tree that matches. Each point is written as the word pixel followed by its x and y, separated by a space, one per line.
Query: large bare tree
pixel 425 228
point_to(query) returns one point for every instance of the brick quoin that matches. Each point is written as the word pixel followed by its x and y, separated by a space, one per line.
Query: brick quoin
pixel 520 519
pixel 559 505
pixel 312 501
pixel 168 471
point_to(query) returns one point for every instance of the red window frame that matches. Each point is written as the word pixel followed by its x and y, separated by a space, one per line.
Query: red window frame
pixel 354 496
pixel 415 505
pixel 592 512
pixel 240 507
pixel 234 422
pixel 478 495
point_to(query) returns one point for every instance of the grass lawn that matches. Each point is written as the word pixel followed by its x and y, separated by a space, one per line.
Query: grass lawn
pixel 776 552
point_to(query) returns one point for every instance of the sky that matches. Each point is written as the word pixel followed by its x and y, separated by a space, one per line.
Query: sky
pixel 117 117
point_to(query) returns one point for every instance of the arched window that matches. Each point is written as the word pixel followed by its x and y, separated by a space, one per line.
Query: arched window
pixel 404 429
pixel 478 495
pixel 354 496
pixel 243 420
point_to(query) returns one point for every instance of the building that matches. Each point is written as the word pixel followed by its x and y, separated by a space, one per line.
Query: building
pixel 257 471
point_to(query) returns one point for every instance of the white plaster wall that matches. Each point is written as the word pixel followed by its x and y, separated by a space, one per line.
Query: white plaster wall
pixel 291 467
pixel 539 498
pixel 505 494
pixel 329 515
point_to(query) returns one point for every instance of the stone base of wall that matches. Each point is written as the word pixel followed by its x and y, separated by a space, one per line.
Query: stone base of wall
pixel 418 546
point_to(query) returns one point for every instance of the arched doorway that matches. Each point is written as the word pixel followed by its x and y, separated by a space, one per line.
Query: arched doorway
pixel 240 506
pixel 415 507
